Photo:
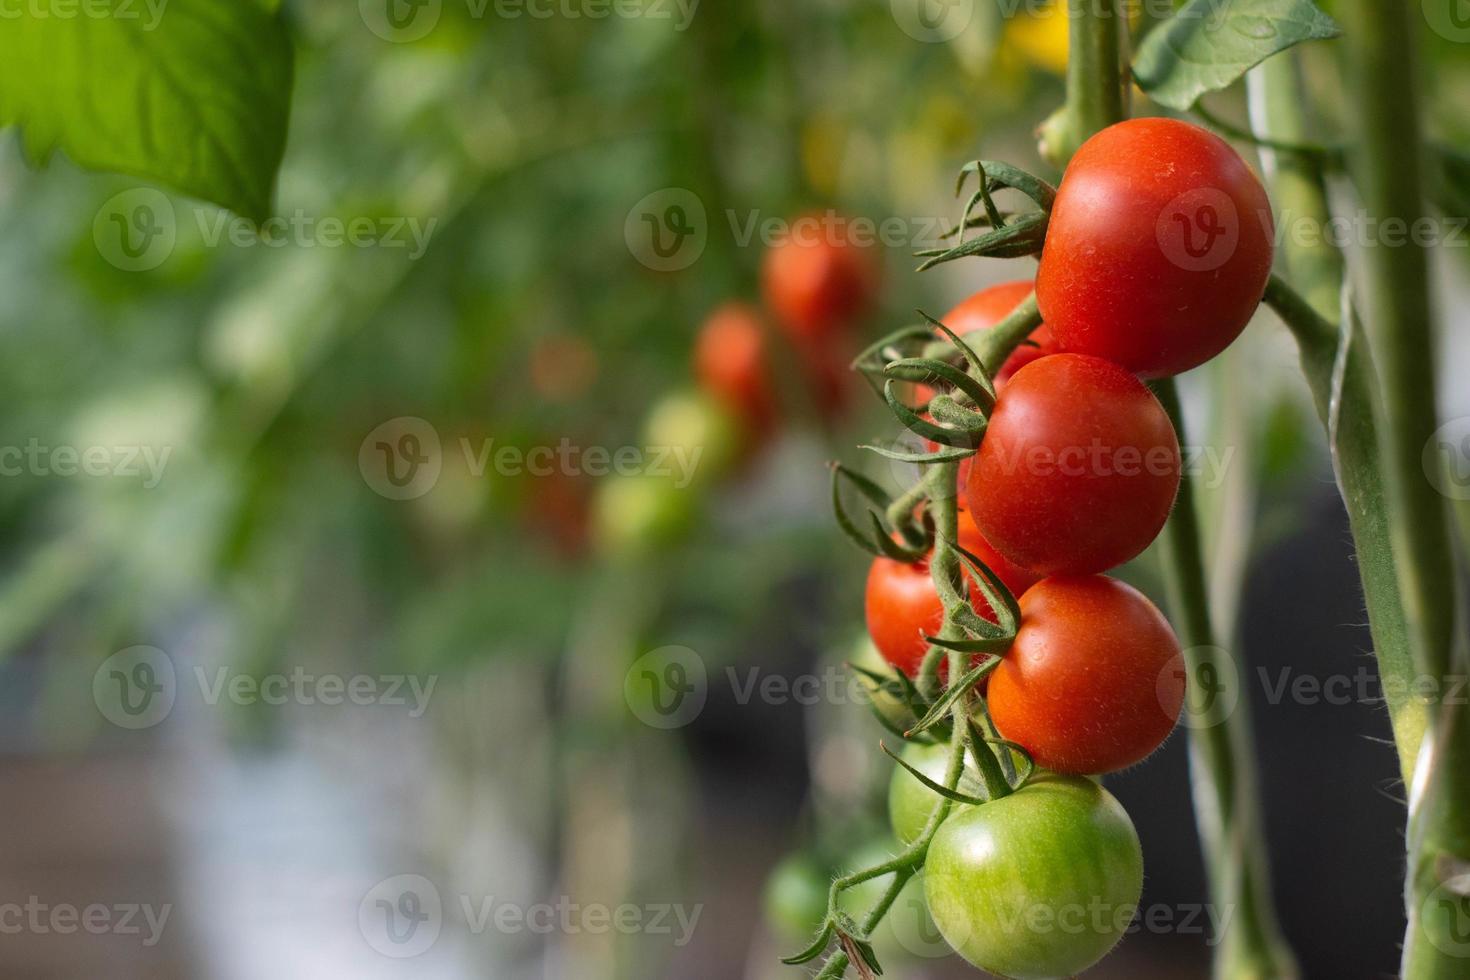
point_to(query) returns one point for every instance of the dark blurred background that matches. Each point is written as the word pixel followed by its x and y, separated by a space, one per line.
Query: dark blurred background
pixel 268 710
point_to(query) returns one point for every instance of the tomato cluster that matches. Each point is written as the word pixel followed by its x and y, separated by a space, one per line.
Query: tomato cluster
pixel 1156 255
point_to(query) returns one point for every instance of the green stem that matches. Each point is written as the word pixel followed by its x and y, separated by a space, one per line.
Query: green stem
pixel 1327 156
pixel 1379 38
pixel 1097 95
pixel 1340 373
pixel 1221 752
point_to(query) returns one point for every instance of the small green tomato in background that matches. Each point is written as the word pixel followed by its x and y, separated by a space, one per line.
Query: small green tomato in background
pixel 692 436
pixel 1039 884
pixel 635 514
pixel 910 802
pixel 889 704
pixel 796 898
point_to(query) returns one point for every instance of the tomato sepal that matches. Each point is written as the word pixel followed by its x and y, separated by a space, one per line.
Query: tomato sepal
pixel 878 543
pixel 939 711
pixel 953 795
pixel 967 438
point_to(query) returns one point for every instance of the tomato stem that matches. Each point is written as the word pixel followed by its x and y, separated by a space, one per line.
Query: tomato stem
pixel 1389 168
pixel 1340 372
pixel 1097 95
pixel 1221 750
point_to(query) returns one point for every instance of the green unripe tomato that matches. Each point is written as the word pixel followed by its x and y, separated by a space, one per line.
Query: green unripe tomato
pixel 796 898
pixel 890 705
pixel 693 436
pixel 639 513
pixel 1042 883
pixel 910 802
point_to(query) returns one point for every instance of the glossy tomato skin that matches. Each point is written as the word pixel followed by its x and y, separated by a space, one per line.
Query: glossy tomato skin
pixel 910 802
pixel 1039 884
pixel 990 306
pixel 1095 680
pixel 1078 469
pixel 1158 250
pixel 903 606
pixel 819 279
pixel 731 362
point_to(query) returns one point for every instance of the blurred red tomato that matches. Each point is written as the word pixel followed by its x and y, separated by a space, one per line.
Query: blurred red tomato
pixel 732 363
pixel 820 277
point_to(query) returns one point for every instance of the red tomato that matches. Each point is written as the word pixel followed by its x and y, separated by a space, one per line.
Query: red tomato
pixel 1158 250
pixel 731 363
pixel 981 312
pixel 1095 680
pixel 903 606
pixel 990 306
pixel 1078 469
pixel 817 280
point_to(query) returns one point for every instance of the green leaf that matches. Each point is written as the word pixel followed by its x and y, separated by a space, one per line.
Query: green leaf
pixel 1210 44
pixel 193 94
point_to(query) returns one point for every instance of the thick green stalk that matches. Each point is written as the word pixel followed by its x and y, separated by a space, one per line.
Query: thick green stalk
pixel 1221 754
pixel 1389 170
pixel 1345 391
pixel 1095 83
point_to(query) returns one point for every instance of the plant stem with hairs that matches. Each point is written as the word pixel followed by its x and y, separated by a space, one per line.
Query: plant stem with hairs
pixel 1345 387
pixel 1389 171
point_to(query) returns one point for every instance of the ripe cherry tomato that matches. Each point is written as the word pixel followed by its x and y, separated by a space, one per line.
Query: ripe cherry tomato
pixel 910 802
pixel 1078 469
pixel 903 606
pixel 990 306
pixel 1042 883
pixel 981 312
pixel 1158 250
pixel 731 363
pixel 817 280
pixel 1095 680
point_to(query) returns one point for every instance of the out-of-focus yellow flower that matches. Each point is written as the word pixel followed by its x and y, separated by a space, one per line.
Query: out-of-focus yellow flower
pixel 1041 36
pixel 822 140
